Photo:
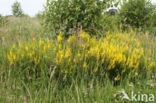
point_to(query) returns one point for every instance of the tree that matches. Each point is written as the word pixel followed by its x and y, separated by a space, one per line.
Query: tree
pixel 153 20
pixel 17 10
pixel 68 16
pixel 136 13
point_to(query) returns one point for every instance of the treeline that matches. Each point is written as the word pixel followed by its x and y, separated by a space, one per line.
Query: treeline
pixel 93 16
pixel 68 16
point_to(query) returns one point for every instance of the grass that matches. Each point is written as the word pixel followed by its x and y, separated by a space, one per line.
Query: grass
pixel 19 29
pixel 51 89
pixel 78 92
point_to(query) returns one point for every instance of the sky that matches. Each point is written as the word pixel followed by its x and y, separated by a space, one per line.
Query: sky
pixel 30 7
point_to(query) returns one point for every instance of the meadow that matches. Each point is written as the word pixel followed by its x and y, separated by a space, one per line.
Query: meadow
pixel 79 69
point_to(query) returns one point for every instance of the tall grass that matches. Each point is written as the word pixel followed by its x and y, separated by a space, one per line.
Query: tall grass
pixel 19 29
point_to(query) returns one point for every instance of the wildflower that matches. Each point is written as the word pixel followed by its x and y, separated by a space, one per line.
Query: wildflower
pixel 9 58
pixel 11 52
pixel 26 48
pixel 84 36
pixel 71 39
pixel 59 38
pixel 13 46
pixel 84 65
pixel 41 42
pixel 152 64
pixel 68 52
pixel 79 55
pixel 44 49
pixel 116 52
pixel 138 44
pixel 38 61
pixel 30 55
pixel 149 53
pixel 33 38
pixel 59 56
pixel 137 51
pixel 117 78
pixel 74 60
pixel 14 57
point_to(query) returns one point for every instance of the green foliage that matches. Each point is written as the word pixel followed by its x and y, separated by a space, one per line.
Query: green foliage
pixel 153 19
pixel 152 27
pixel 152 30
pixel 39 15
pixel 3 20
pixel 110 23
pixel 17 10
pixel 136 13
pixel 68 16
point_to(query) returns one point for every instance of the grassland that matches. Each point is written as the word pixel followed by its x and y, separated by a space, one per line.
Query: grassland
pixel 50 88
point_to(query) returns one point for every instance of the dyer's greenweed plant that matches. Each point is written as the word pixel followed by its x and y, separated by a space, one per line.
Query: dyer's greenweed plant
pixel 116 55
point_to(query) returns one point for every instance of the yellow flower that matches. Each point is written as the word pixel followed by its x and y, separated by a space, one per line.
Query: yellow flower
pixel 14 57
pixel 138 44
pixel 84 36
pixel 59 38
pixel 30 55
pixel 79 55
pixel 40 42
pixel 44 49
pixel 68 53
pixel 117 78
pixel 152 64
pixel 33 38
pixel 115 51
pixel 149 53
pixel 13 46
pixel 74 60
pixel 84 65
pixel 10 52
pixel 26 48
pixel 59 56
pixel 71 39
pixel 38 61
pixel 10 59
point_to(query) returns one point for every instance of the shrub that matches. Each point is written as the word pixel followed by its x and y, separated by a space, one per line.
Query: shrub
pixel 110 23
pixel 3 20
pixel 136 13
pixel 69 16
pixel 17 10
pixel 116 55
pixel 153 18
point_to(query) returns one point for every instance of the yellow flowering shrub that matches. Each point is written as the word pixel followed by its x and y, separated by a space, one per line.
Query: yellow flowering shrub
pixel 116 54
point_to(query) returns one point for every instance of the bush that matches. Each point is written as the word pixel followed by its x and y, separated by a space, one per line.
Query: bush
pixel 116 55
pixel 152 30
pixel 17 10
pixel 152 27
pixel 153 18
pixel 136 13
pixel 69 16
pixel 110 23
pixel 3 20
